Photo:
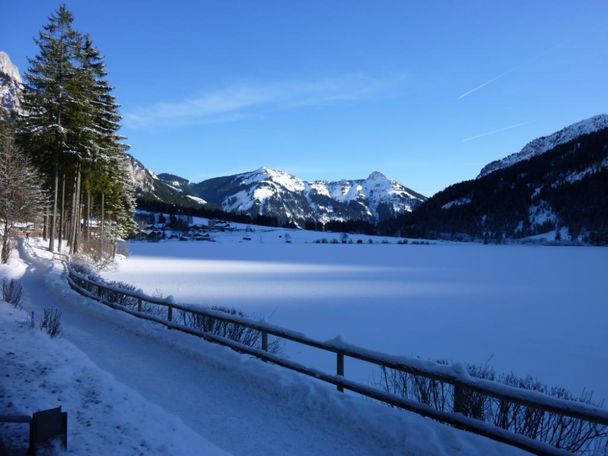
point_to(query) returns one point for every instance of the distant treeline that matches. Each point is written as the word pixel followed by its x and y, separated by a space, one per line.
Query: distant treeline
pixel 212 212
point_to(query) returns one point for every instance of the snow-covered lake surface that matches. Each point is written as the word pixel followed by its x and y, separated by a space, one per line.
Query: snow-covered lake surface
pixel 540 311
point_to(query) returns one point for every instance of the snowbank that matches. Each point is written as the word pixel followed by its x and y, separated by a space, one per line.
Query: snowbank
pixel 104 416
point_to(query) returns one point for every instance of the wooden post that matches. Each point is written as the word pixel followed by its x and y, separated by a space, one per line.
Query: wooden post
pixel 264 341
pixel 139 305
pixel 169 313
pixel 99 291
pixel 459 399
pixel 340 368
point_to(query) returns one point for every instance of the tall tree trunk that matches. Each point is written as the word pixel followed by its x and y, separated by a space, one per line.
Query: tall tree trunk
pixel 88 224
pixel 54 213
pixel 62 213
pixel 77 227
pixel 103 204
pixel 76 212
pixel 5 243
pixel 44 225
pixel 72 217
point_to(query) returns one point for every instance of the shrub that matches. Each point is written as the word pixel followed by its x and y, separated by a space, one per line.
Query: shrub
pixel 564 432
pixel 233 331
pixel 12 292
pixel 51 322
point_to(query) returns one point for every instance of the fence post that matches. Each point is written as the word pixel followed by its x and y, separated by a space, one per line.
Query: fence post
pixel 459 399
pixel 99 291
pixel 170 313
pixel 340 368
pixel 264 341
pixel 139 305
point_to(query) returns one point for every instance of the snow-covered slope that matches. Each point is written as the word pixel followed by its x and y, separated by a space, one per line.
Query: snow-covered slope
pixel 275 193
pixel 151 187
pixel 143 179
pixel 10 86
pixel 547 143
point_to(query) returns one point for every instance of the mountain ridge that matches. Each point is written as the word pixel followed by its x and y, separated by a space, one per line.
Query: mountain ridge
pixel 271 192
pixel 562 190
pixel 543 144
pixel 10 87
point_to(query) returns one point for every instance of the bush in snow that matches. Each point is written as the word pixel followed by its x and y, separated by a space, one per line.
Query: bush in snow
pixel 246 336
pixel 563 432
pixel 51 322
pixel 12 292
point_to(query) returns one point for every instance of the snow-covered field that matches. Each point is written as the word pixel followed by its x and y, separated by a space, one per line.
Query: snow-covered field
pixel 532 310
pixel 133 387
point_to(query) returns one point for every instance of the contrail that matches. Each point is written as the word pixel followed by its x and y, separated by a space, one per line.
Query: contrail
pixel 488 133
pixel 516 67
pixel 475 89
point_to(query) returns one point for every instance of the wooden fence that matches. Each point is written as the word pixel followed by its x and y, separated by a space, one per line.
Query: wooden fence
pixel 461 383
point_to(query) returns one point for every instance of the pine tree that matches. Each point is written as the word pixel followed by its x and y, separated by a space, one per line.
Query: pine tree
pixel 71 130
pixel 105 162
pixel 48 99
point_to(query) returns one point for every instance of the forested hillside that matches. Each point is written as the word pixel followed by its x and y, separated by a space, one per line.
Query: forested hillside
pixel 564 190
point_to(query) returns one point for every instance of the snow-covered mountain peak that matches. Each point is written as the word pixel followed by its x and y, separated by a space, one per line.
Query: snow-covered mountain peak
pixel 272 177
pixel 9 68
pixel 271 192
pixel 10 87
pixel 546 143
pixel 377 175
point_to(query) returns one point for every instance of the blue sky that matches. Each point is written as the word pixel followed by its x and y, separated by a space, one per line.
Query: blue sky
pixel 425 92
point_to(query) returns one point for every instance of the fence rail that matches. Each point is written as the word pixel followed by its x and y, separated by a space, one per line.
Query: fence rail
pixel 460 381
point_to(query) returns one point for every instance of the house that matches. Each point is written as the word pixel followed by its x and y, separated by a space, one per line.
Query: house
pixel 218 225
pixel 154 236
pixel 203 237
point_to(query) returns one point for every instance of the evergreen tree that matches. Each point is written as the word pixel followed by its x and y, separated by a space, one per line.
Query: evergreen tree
pixel 71 130
pixel 48 99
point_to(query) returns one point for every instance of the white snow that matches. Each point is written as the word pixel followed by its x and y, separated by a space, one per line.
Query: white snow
pixel 457 202
pixel 233 402
pixel 531 310
pixel 238 202
pixel 9 68
pixel 541 213
pixel 197 199
pixel 10 85
pixel 104 415
pixel 576 176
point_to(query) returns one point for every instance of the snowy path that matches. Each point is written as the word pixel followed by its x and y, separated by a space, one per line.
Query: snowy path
pixel 241 405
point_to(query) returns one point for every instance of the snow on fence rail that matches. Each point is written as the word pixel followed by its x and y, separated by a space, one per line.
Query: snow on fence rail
pixel 455 376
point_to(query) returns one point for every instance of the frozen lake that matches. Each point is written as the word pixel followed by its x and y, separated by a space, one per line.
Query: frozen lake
pixel 540 311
